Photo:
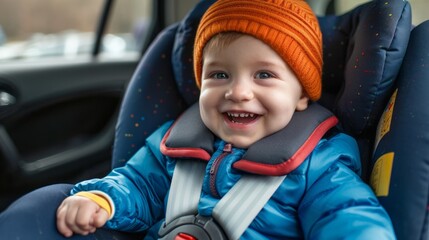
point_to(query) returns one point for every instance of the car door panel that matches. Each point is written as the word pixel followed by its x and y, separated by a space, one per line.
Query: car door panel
pixel 61 120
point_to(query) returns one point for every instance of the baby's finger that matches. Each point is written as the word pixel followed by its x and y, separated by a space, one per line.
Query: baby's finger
pixel 100 218
pixel 84 217
pixel 70 219
pixel 61 222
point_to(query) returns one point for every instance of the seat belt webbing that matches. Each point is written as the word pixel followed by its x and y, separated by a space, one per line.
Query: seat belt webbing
pixel 234 212
pixel 237 209
pixel 185 190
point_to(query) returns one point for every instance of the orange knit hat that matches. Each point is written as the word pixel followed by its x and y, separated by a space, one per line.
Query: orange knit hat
pixel 289 27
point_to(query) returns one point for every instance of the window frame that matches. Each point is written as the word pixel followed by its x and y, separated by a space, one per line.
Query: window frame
pixel 157 23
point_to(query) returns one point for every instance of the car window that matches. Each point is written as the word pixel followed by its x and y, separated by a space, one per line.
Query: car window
pixel 128 26
pixel 52 28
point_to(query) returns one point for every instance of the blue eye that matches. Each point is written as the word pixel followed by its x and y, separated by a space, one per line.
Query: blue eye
pixel 219 75
pixel 264 75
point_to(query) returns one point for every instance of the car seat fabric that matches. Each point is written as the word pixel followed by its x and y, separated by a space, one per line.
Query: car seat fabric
pixel 363 50
pixel 151 99
pixel 183 53
pixel 400 177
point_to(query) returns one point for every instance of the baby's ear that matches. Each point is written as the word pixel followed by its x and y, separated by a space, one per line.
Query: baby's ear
pixel 302 103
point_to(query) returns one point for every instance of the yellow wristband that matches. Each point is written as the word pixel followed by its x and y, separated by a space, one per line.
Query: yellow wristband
pixel 100 200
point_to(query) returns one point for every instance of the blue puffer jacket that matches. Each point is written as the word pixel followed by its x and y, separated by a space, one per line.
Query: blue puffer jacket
pixel 323 198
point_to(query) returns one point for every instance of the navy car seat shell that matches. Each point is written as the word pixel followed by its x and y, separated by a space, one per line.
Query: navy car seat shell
pixel 363 52
pixel 402 153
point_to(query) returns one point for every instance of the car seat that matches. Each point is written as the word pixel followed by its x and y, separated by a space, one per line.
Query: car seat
pixel 363 53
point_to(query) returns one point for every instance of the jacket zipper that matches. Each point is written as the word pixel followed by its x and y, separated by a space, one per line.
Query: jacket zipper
pixel 214 168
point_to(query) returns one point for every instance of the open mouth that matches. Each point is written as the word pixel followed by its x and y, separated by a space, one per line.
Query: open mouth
pixel 241 118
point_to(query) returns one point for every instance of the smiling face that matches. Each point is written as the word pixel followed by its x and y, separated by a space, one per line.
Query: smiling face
pixel 247 91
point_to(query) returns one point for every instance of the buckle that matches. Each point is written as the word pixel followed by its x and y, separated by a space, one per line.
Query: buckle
pixel 192 227
pixel 184 236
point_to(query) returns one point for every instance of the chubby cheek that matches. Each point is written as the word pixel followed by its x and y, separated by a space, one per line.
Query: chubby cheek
pixel 278 117
pixel 277 123
pixel 208 111
pixel 204 98
pixel 207 101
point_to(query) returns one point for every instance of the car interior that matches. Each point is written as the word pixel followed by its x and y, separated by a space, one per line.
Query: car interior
pixel 97 115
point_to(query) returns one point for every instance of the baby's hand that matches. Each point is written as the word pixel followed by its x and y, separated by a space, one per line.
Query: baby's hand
pixel 80 215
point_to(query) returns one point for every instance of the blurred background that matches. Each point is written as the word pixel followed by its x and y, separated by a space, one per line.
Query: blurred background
pixel 45 28
pixel 33 29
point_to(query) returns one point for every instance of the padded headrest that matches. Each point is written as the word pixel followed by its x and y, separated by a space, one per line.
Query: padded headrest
pixel 363 51
pixel 182 56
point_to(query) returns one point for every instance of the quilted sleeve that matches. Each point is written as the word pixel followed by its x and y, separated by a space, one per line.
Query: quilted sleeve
pixel 337 203
pixel 138 189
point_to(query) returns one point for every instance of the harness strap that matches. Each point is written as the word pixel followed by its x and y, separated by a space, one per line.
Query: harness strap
pixel 185 190
pixel 234 212
pixel 237 209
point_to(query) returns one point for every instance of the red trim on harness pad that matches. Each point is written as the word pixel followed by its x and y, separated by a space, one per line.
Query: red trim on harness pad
pixel 294 161
pixel 182 152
